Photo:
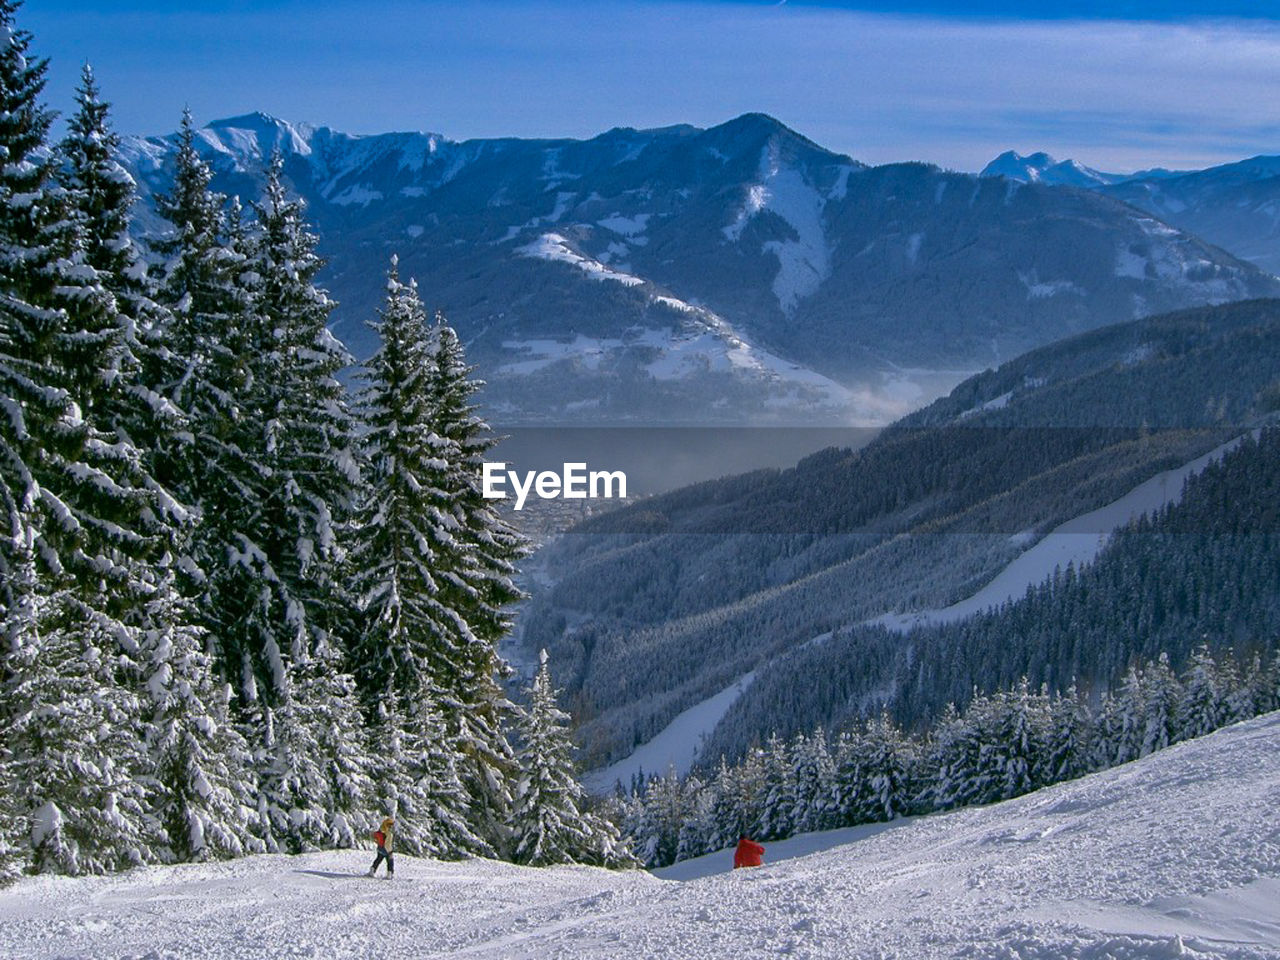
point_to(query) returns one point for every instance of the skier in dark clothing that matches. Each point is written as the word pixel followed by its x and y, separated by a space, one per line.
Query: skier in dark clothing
pixel 383 838
pixel 748 854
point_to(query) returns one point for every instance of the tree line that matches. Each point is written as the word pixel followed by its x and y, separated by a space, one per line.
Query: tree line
pixel 1002 745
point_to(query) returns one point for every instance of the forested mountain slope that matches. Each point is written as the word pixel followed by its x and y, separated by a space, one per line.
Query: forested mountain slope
pixel 658 606
pixel 1203 571
pixel 1234 205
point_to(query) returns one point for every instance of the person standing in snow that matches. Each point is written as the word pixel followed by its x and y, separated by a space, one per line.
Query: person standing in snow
pixel 382 837
pixel 748 854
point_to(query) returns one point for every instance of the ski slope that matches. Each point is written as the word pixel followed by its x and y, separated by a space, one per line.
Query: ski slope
pixel 1177 855
pixel 1077 541
pixel 676 747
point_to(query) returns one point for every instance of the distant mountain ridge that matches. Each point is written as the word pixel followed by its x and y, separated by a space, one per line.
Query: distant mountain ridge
pixel 1041 167
pixel 1234 205
pixel 740 273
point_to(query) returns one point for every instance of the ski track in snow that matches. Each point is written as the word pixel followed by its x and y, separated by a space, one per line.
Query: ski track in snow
pixel 676 747
pixel 1177 855
pixel 1077 541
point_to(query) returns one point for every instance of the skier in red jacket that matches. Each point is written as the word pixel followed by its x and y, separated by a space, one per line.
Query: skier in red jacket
pixel 748 854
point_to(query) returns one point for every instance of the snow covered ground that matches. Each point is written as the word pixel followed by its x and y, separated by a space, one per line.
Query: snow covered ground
pixel 1177 855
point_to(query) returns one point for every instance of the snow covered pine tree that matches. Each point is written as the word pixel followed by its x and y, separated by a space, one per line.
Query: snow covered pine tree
pixel 549 819
pixel 85 519
pixel 432 563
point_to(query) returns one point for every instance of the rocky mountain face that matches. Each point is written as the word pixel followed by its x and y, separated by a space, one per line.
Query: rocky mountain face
pixel 735 274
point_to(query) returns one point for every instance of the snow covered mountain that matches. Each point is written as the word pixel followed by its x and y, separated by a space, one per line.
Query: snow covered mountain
pixel 1042 168
pixel 1174 855
pixel 738 273
pixel 1235 205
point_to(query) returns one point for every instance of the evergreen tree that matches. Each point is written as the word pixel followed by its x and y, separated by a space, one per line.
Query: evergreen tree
pixel 1068 748
pixel 812 774
pixel 28 210
pixel 391 780
pixel 955 759
pixel 738 791
pixel 479 586
pixel 297 421
pixel 308 430
pixel 890 761
pixel 433 561
pixel 657 818
pixel 76 764
pixel 1205 701
pixel 779 799
pixel 852 790
pixel 1127 723
pixel 399 555
pixel 549 819
pixel 73 474
pixel 1012 751
pixel 698 833
pixel 43 434
pixel 1162 706
pixel 199 761
pixel 217 466
pixel 132 329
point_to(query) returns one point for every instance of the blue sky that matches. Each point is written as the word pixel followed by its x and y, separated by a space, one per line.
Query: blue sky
pixel 1119 85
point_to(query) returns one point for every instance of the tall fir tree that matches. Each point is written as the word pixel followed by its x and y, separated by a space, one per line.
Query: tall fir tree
pixel 549 819
pixel 480 587
pixel 432 562
pixel 309 431
pixel 76 478
pixel 41 430
pixel 216 466
pixel 200 776
pixel 399 550
pixel 99 197
pixel 303 434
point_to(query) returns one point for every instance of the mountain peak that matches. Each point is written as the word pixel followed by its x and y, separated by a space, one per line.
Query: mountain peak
pixel 257 134
pixel 750 131
pixel 257 120
pixel 1041 167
